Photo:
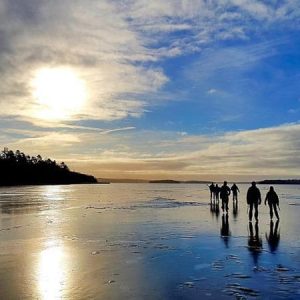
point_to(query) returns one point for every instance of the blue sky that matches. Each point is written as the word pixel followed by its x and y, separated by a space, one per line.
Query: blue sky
pixel 183 89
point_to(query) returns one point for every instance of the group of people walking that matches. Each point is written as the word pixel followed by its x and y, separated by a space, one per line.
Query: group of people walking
pixel 253 198
pixel 223 192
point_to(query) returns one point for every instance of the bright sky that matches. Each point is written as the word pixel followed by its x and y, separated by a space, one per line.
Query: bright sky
pixel 179 89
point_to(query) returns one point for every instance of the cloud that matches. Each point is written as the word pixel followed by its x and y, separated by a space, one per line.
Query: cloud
pixel 92 40
pixel 211 91
pixel 116 46
pixel 234 59
pixel 269 152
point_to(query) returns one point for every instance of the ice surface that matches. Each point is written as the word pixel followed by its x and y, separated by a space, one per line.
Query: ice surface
pixel 145 241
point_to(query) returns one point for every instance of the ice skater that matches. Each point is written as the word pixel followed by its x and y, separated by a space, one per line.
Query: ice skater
pixel 235 191
pixel 273 201
pixel 224 194
pixel 253 200
pixel 212 191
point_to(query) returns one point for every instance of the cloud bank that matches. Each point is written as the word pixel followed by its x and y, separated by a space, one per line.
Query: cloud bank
pixel 245 154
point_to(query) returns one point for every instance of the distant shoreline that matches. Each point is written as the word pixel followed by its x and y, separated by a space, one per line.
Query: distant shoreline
pixel 280 181
pixel 171 181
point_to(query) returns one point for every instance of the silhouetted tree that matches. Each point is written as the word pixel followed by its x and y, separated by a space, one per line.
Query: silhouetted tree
pixel 18 168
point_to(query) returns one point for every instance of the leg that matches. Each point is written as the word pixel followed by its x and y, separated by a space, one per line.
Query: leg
pixel 275 211
pixel 256 211
pixel 223 204
pixel 250 211
pixel 271 210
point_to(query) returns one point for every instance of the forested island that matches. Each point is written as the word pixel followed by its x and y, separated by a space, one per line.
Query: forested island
pixel 17 168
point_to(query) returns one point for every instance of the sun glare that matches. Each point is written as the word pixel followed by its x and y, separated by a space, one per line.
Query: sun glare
pixel 59 93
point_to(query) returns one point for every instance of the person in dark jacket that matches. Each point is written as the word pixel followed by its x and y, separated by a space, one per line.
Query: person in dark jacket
pixel 212 191
pixel 273 202
pixel 235 191
pixel 217 192
pixel 224 195
pixel 253 200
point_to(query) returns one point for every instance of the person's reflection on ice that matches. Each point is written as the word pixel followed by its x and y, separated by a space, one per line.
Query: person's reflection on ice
pixel 273 237
pixel 225 231
pixel 254 242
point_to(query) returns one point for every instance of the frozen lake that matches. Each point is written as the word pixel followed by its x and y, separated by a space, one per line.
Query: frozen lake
pixel 145 241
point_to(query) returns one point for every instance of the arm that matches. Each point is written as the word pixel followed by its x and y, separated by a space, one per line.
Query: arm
pixel 259 196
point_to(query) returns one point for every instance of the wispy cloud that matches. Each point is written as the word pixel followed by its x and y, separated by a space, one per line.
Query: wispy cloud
pixel 211 91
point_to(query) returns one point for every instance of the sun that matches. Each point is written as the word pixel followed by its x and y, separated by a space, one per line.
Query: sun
pixel 59 93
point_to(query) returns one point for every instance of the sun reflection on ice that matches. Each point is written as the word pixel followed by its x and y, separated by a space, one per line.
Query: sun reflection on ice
pixel 53 192
pixel 51 272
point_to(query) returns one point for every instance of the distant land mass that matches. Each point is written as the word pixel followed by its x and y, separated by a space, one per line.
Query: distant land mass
pixel 171 181
pixel 121 180
pixel 280 181
pixel 176 181
pixel 18 168
pixel 164 181
pixel 126 180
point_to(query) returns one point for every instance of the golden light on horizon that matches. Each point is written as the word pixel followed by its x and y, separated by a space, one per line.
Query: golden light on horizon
pixel 59 93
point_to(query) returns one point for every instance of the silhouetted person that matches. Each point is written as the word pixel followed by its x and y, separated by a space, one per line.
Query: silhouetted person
pixel 225 231
pixel 254 242
pixel 253 200
pixel 274 236
pixel 235 191
pixel 212 190
pixel 217 192
pixel 273 201
pixel 224 194
pixel 235 209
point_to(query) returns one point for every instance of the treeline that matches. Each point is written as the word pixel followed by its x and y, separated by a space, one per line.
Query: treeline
pixel 280 181
pixel 17 168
